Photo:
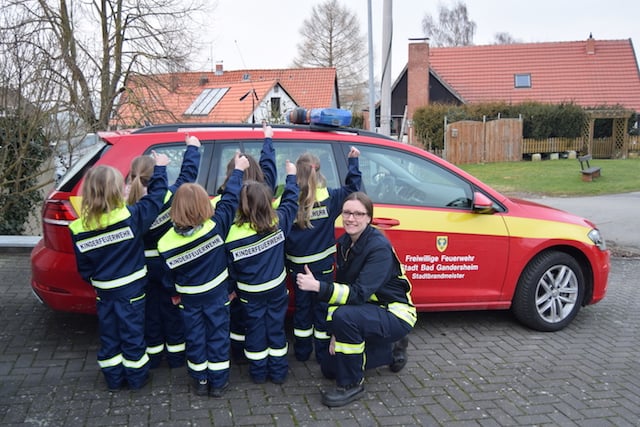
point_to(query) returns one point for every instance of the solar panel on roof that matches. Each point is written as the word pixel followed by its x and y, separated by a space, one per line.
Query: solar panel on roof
pixel 205 102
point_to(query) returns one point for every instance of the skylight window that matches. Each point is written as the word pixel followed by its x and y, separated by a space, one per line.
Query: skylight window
pixel 205 102
pixel 522 80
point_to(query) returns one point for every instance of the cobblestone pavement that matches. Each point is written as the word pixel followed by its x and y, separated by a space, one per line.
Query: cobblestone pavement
pixel 465 369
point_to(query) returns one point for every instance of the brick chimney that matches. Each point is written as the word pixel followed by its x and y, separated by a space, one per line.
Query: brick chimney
pixel 417 79
pixel 219 70
pixel 591 45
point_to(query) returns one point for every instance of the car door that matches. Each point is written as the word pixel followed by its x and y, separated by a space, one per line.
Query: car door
pixel 455 258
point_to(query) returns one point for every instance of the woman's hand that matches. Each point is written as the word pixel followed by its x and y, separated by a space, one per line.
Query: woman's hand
pixel 306 281
pixel 354 152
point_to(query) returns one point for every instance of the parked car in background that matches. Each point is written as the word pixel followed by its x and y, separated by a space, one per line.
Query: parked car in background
pixel 463 245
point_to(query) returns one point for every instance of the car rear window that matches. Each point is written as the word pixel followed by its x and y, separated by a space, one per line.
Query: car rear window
pixel 77 170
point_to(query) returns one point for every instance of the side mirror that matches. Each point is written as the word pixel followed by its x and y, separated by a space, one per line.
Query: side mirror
pixel 482 204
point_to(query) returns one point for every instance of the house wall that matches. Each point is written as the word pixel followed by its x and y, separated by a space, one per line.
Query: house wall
pixel 263 110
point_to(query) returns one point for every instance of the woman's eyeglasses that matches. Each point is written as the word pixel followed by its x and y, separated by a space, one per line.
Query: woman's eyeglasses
pixel 356 215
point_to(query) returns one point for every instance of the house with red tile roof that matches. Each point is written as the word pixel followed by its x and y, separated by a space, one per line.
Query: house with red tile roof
pixel 590 73
pixel 240 96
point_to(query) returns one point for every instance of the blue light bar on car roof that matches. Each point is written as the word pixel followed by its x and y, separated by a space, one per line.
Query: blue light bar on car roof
pixel 320 116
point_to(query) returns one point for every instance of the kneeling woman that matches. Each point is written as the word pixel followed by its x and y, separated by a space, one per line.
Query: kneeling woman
pixel 370 304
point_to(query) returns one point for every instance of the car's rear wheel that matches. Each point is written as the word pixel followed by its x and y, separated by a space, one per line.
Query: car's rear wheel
pixel 550 292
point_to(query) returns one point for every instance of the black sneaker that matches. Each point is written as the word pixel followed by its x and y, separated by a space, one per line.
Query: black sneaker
pixel 399 354
pixel 201 387
pixel 341 396
pixel 218 391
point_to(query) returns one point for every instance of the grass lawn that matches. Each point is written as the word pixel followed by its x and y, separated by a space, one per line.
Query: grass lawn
pixel 558 177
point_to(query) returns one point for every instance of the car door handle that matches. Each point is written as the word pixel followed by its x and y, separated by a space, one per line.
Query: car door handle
pixel 385 222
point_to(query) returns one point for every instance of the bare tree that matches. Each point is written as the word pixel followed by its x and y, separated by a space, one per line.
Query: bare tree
pixel 331 37
pixel 504 38
pixel 26 109
pixel 98 45
pixel 454 28
pixel 64 64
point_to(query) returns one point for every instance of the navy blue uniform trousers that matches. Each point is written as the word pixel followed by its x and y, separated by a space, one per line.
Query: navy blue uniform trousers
pixel 311 315
pixel 164 329
pixel 121 321
pixel 354 324
pixel 206 325
pixel 266 334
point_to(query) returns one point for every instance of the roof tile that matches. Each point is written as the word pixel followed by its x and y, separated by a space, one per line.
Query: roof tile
pixel 560 72
pixel 169 95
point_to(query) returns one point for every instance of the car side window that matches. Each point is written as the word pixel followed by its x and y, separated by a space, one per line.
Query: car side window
pixel 394 177
pixel 284 151
pixel 175 154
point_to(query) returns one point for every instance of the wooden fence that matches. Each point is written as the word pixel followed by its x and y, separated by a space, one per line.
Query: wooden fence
pixel 634 143
pixel 551 145
pixel 493 141
pixel 501 141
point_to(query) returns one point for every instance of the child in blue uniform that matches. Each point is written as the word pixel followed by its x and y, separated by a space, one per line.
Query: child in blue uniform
pixel 107 241
pixel 255 247
pixel 312 242
pixel 194 251
pixel 164 328
pixel 264 171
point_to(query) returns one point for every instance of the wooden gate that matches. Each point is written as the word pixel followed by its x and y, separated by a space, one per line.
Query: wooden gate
pixel 487 141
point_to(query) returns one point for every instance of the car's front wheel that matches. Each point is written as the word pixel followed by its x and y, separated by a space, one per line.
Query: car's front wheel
pixel 550 292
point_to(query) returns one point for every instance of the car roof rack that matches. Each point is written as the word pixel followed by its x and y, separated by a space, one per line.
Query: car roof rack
pixel 175 127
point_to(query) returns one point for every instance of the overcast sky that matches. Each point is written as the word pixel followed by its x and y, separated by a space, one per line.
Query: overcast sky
pixel 264 33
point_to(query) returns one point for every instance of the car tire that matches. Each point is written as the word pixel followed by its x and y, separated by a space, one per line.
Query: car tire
pixel 550 292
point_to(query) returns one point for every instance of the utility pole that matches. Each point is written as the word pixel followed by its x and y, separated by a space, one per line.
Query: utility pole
pixel 372 94
pixel 385 90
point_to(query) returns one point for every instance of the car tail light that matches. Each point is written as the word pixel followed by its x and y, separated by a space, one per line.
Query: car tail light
pixel 56 217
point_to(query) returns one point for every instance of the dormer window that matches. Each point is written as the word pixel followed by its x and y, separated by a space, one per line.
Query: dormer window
pixel 522 80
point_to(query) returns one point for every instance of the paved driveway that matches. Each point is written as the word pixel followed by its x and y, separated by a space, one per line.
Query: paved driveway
pixel 465 369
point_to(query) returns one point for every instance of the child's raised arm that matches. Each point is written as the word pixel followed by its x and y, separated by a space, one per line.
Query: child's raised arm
pixel 241 162
pixel 161 159
pixel 192 140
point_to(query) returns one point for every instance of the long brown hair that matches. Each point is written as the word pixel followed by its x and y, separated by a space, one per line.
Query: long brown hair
pixel 309 179
pixel 252 173
pixel 255 207
pixel 139 176
pixel 102 192
pixel 191 206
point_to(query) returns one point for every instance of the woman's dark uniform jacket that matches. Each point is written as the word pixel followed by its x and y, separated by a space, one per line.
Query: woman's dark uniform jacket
pixel 365 275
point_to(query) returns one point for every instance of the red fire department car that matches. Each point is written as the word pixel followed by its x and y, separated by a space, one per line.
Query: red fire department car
pixel 463 245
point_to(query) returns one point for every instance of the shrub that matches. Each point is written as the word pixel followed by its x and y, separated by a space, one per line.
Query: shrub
pixel 22 153
pixel 540 120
